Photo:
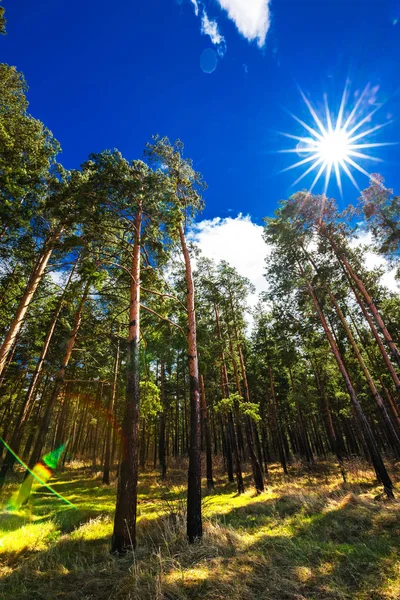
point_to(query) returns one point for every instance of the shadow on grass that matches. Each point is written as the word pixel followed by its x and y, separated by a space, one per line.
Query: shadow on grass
pixel 338 555
pixel 341 555
pixel 11 522
pixel 342 550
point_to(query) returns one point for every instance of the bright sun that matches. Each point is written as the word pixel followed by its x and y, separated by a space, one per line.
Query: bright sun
pixel 334 147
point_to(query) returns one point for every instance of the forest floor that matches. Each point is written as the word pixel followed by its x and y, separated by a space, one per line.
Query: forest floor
pixel 308 536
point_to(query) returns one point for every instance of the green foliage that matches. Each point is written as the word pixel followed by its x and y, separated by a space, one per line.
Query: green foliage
pixel 27 147
pixel 235 401
pixel 185 185
pixel 2 21
pixel 150 403
pixel 382 213
pixel 252 410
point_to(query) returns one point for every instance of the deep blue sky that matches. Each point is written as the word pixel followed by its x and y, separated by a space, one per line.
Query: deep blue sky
pixel 110 74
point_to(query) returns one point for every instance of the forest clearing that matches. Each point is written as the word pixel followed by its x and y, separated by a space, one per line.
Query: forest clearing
pixel 306 536
pixel 181 424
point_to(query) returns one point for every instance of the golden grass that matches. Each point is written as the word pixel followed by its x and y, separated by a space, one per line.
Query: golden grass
pixel 306 537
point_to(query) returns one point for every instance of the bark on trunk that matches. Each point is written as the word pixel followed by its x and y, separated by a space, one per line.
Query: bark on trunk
pixel 391 432
pixel 111 424
pixel 209 466
pixel 278 431
pixel 161 442
pixel 232 440
pixel 59 382
pixel 29 402
pixel 34 280
pixel 380 469
pixel 255 465
pixel 375 333
pixel 330 429
pixel 370 304
pixel 124 535
pixel 194 520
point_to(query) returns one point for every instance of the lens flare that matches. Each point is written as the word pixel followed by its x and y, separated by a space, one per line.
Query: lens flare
pixel 335 146
pixel 51 459
pixel 39 472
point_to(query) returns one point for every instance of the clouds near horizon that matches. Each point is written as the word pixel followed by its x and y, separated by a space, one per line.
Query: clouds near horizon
pixel 238 240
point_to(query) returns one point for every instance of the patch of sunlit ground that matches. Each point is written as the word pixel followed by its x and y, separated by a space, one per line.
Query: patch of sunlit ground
pixel 307 537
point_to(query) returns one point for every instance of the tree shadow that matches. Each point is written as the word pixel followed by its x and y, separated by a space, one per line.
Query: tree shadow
pixel 341 553
pixel 293 546
pixel 10 521
pixel 73 569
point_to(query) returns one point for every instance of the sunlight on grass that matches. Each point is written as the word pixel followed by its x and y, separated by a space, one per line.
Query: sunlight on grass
pixel 305 537
pixel 33 537
pixel 93 530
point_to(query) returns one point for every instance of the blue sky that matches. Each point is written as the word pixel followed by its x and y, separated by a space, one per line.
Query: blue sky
pixel 110 74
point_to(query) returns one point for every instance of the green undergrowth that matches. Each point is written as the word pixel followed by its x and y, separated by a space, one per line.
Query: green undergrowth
pixel 308 536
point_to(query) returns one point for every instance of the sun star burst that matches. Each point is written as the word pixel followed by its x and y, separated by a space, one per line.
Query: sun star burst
pixel 334 145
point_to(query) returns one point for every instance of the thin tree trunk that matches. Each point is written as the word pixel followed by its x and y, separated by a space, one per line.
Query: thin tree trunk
pixel 276 421
pixel 59 382
pixel 29 402
pixel 332 437
pixel 374 391
pixel 111 424
pixel 255 465
pixel 34 280
pixel 302 430
pixel 96 434
pixel 375 455
pixel 163 416
pixel 59 379
pixel 210 480
pixel 385 356
pixel 232 441
pixel 394 408
pixel 370 304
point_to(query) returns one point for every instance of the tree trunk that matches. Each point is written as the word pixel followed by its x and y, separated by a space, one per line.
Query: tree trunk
pixel 29 402
pixel 385 356
pixel 111 424
pixel 373 450
pixel 330 429
pixel 281 449
pixel 33 282
pixel 163 416
pixel 370 304
pixel 194 521
pixel 232 441
pixel 392 434
pixel 59 381
pixel 255 465
pixel 124 536
pixel 210 480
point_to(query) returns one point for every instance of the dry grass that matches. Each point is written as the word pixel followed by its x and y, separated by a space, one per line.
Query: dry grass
pixel 306 537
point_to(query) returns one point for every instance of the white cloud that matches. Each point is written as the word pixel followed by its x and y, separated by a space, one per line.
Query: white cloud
pixel 251 17
pixel 196 7
pixel 373 260
pixel 239 242
pixel 58 278
pixel 210 27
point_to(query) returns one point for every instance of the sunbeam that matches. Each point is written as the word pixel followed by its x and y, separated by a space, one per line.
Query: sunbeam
pixel 334 144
